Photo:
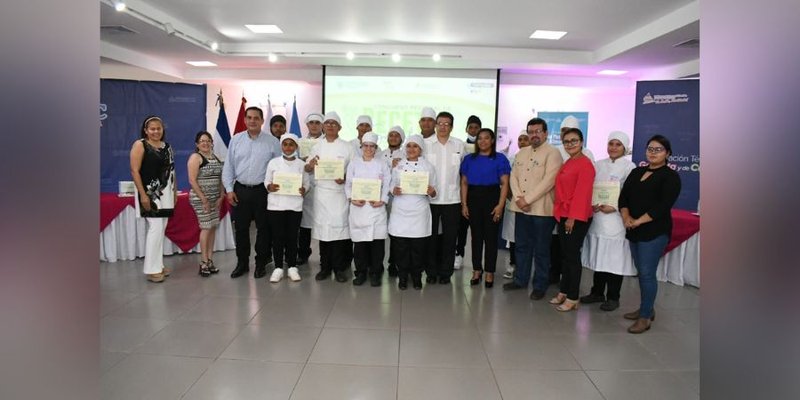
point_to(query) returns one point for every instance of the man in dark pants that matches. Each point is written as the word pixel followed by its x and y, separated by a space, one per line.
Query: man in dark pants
pixel 473 126
pixel 243 174
pixel 445 153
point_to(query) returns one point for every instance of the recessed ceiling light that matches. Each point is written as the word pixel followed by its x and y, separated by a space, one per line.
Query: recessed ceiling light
pixel 119 6
pixel 272 57
pixel 396 57
pixel 264 28
pixel 214 46
pixel 201 63
pixel 350 55
pixel 437 57
pixel 549 35
pixel 612 72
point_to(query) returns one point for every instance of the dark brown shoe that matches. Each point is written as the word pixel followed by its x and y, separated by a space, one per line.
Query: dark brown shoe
pixel 635 315
pixel 641 325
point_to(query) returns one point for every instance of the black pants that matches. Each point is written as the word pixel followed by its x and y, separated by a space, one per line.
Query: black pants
pixel 444 244
pixel 461 241
pixel 304 243
pixel 480 202
pixel 603 280
pixel 409 255
pixel 512 258
pixel 555 260
pixel 571 244
pixel 285 226
pixel 333 255
pixel 369 257
pixel 252 206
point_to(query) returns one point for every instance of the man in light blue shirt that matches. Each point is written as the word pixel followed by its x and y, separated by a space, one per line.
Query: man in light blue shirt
pixel 243 175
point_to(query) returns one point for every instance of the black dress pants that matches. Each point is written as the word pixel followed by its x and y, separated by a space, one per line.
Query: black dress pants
pixel 333 255
pixel 410 255
pixel 445 244
pixel 461 242
pixel 571 244
pixel 252 206
pixel 304 243
pixel 369 257
pixel 285 226
pixel 480 202
pixel 603 280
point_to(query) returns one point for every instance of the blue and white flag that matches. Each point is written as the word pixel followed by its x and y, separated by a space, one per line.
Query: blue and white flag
pixel 294 126
pixel 222 133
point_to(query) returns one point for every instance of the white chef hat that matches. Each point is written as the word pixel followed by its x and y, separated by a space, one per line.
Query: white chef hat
pixel 523 132
pixel 289 136
pixel 427 112
pixel 364 119
pixel 415 139
pixel 332 115
pixel 570 122
pixel 399 129
pixel 314 117
pixel 369 137
pixel 622 137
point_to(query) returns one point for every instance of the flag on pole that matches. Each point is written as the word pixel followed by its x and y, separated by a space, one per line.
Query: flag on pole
pixel 294 126
pixel 222 132
pixel 240 125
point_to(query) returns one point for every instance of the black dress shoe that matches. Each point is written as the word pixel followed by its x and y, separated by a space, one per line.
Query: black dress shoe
pixel 392 270
pixel 260 272
pixel 488 284
pixel 301 261
pixel 476 281
pixel 239 271
pixel 322 275
pixel 537 295
pixel 430 279
pixel 402 283
pixel 512 286
pixel 358 280
pixel 341 276
pixel 417 283
pixel 375 280
pixel 593 298
pixel 610 305
pixel 444 280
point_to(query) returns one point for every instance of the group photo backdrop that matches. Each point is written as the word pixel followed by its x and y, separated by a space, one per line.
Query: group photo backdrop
pixel 124 104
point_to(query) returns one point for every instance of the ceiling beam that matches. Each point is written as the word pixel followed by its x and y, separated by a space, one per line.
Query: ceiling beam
pixel 138 59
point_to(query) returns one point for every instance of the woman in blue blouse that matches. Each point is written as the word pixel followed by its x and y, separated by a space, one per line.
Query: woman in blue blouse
pixel 484 188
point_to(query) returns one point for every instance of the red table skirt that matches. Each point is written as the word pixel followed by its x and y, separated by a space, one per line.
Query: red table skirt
pixel 684 225
pixel 183 228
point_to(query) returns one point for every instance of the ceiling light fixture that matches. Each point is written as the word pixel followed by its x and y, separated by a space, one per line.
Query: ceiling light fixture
pixel 169 29
pixel 350 55
pixel 214 46
pixel 120 6
pixel 264 28
pixel 437 57
pixel 396 57
pixel 612 72
pixel 201 63
pixel 272 57
pixel 548 35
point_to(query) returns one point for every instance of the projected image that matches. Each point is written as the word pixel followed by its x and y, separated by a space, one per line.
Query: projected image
pixel 398 100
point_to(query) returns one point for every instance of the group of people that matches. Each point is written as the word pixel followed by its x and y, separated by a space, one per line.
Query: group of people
pixel 422 193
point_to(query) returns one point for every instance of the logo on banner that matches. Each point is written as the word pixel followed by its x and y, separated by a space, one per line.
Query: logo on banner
pixel 665 98
pixel 103 115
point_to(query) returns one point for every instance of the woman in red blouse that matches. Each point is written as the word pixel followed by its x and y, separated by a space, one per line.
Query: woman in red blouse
pixel 573 211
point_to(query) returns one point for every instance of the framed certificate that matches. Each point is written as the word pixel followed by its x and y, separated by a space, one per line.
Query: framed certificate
pixel 329 170
pixel 606 193
pixel 305 146
pixel 414 182
pixel 366 189
pixel 289 182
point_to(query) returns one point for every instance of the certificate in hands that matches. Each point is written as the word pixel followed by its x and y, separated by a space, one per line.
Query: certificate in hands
pixel 329 170
pixel 414 182
pixel 605 193
pixel 366 189
pixel 305 146
pixel 469 148
pixel 289 183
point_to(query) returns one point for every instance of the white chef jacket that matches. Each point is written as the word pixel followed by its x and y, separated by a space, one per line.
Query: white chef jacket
pixel 411 213
pixel 368 223
pixel 283 202
pixel 330 203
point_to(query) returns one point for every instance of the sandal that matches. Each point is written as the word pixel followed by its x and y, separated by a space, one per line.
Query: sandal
pixel 569 305
pixel 211 267
pixel 204 271
pixel 559 299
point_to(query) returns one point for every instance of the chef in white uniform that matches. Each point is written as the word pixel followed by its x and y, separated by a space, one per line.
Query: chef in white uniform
pixel 363 125
pixel 330 225
pixel 410 218
pixel 395 151
pixel 314 125
pixel 368 219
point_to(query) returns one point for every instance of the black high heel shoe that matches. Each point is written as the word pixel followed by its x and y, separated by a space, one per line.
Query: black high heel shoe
pixel 203 271
pixel 476 281
pixel 489 284
pixel 211 267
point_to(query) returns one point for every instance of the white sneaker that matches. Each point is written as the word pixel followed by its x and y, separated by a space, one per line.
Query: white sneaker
pixel 458 262
pixel 294 274
pixel 509 272
pixel 277 275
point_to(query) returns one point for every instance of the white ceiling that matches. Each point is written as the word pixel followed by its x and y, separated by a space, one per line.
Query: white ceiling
pixel 633 35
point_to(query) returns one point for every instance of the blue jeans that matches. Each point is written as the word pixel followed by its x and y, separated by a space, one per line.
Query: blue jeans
pixel 532 235
pixel 645 258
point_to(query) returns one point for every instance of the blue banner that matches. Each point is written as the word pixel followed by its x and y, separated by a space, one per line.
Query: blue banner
pixel 672 109
pixel 555 120
pixel 124 105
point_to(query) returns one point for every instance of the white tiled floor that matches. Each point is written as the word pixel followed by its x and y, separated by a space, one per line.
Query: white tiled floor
pixel 222 338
